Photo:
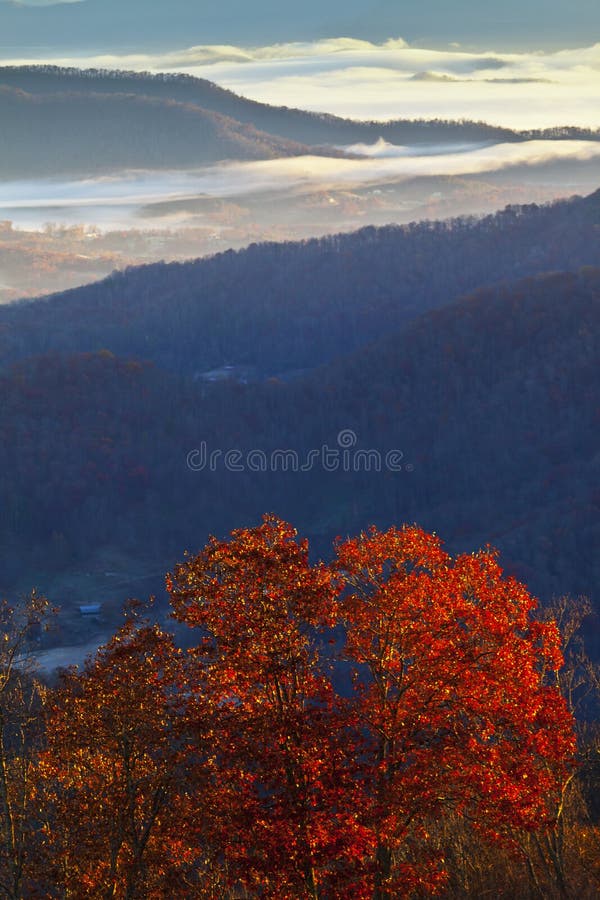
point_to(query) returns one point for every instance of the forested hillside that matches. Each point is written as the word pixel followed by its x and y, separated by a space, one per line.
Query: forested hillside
pixel 73 134
pixel 283 307
pixel 489 404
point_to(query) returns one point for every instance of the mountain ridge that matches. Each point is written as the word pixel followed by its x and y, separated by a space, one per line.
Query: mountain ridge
pixel 296 305
pixel 75 134
pixel 289 123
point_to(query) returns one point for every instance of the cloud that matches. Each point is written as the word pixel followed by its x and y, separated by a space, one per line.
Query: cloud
pixel 433 76
pixel 487 63
pixel 385 162
pixel 441 78
pixel 297 49
pixel 535 90
pixel 360 79
pixel 381 149
pixel 213 54
pixel 520 81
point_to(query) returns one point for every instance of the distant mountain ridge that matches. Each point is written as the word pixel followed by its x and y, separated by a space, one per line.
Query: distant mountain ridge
pixel 74 134
pixel 281 307
pixel 290 124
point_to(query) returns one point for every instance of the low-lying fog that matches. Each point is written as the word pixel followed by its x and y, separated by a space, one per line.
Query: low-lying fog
pixel 133 199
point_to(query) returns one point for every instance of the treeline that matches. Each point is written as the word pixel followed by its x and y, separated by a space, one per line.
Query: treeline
pixel 397 722
pixel 291 124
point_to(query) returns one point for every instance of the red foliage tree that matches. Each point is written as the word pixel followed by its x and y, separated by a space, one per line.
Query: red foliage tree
pixel 116 788
pixel 455 701
pixel 260 607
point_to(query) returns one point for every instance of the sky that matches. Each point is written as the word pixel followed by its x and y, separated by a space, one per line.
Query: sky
pixel 101 25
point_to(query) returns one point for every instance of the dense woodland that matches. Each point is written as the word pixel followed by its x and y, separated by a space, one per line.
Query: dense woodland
pixel 490 399
pixel 397 722
pixel 288 306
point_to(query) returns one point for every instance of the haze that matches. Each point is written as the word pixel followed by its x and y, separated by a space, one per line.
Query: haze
pixel 119 201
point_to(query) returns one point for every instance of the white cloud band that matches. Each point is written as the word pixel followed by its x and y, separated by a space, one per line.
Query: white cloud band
pixel 362 80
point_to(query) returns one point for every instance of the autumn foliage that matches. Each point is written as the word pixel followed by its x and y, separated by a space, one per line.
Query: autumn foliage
pixel 260 607
pixel 451 705
pixel 455 706
pixel 329 727
pixel 113 769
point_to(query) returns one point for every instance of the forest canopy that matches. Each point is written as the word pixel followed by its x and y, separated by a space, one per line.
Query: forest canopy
pixel 393 723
